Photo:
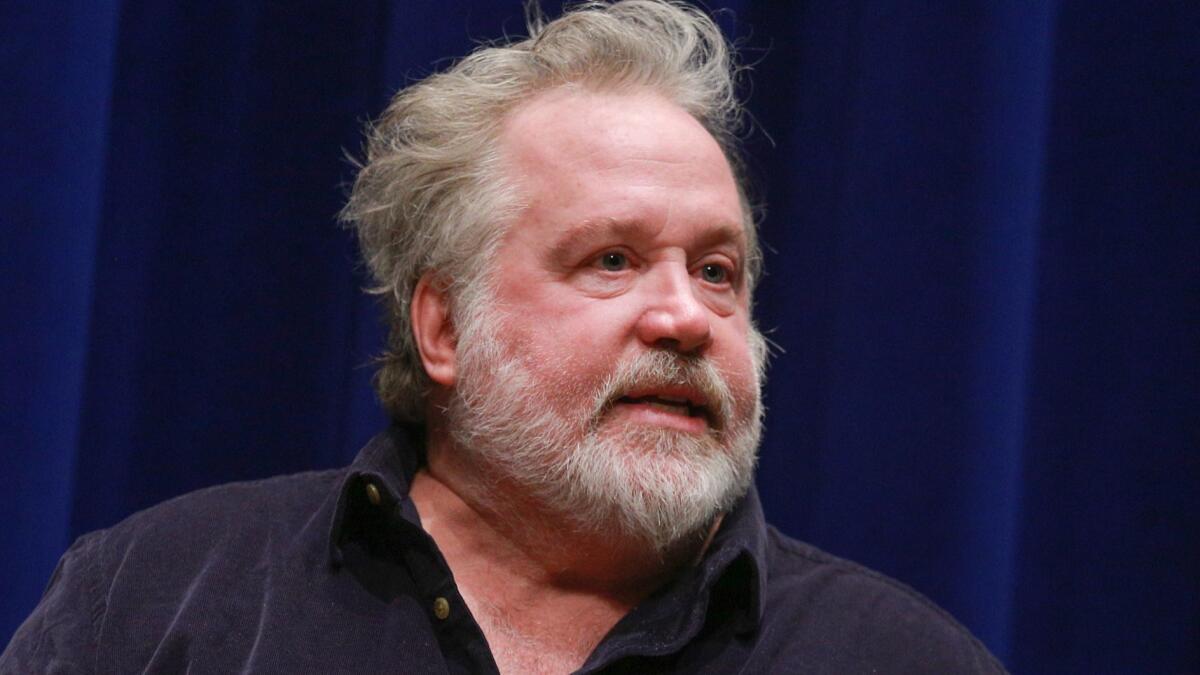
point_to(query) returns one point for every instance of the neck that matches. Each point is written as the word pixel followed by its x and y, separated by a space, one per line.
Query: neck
pixel 522 570
pixel 486 518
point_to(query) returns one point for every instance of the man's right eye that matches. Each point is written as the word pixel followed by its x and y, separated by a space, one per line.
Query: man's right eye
pixel 614 261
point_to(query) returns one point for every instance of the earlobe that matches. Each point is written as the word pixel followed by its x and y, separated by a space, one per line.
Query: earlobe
pixel 433 330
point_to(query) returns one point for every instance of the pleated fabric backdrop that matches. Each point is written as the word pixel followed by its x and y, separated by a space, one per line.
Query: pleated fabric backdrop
pixel 983 273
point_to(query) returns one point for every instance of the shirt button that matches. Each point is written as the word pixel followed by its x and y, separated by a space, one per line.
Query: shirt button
pixel 441 608
pixel 373 494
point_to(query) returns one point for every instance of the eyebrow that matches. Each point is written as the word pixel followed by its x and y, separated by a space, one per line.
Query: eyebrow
pixel 589 232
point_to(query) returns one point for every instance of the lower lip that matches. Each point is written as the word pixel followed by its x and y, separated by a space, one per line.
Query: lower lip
pixel 644 413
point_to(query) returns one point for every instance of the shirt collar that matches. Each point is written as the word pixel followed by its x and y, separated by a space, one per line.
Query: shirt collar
pixel 734 567
pixel 738 556
pixel 380 476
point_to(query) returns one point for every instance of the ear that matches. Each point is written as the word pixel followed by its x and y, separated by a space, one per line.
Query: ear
pixel 433 330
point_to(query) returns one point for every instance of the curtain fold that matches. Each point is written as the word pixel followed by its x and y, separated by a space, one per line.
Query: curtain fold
pixel 53 143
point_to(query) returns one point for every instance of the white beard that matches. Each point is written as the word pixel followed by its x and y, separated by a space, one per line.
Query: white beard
pixel 595 475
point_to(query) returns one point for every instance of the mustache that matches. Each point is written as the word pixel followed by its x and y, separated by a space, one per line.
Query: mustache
pixel 662 368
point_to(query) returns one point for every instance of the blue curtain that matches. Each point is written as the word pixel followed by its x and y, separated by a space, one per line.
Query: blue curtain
pixel 983 276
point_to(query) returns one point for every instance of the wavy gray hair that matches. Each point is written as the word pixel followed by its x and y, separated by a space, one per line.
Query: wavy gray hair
pixel 431 194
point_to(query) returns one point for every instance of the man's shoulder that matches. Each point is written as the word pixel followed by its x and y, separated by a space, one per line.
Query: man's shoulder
pixel 233 502
pixel 799 566
pixel 230 516
pixel 861 616
pixel 119 594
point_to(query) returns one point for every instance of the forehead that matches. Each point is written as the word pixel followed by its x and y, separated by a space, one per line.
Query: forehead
pixel 638 121
pixel 628 157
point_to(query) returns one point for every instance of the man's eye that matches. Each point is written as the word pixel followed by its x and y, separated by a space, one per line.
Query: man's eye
pixel 714 274
pixel 614 262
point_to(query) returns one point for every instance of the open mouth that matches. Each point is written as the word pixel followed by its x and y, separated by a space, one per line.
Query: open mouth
pixel 667 404
pixel 681 407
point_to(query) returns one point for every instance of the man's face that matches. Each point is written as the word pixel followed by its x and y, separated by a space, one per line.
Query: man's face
pixel 611 374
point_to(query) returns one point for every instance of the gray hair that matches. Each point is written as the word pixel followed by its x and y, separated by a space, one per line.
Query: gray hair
pixel 431 194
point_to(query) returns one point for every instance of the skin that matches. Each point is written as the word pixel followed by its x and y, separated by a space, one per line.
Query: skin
pixel 631 239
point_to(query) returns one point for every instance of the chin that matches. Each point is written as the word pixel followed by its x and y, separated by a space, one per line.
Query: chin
pixel 659 487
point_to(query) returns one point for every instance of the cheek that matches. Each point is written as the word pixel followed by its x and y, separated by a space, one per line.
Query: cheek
pixel 741 373
pixel 582 327
pixel 566 356
pixel 736 359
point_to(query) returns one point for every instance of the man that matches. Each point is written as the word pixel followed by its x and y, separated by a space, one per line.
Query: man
pixel 559 231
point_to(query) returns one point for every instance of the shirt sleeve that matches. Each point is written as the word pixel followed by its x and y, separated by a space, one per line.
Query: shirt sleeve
pixel 60 635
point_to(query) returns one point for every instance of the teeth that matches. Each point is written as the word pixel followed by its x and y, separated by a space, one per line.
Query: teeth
pixel 676 409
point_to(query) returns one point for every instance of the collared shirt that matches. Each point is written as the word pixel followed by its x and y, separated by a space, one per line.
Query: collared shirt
pixel 331 572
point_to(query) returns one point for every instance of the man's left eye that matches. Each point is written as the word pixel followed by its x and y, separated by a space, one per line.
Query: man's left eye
pixel 714 274
pixel 614 261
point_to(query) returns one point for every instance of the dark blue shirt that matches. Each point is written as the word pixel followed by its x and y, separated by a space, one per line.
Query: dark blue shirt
pixel 331 572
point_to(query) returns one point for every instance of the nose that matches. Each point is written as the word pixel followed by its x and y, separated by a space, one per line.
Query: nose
pixel 674 318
